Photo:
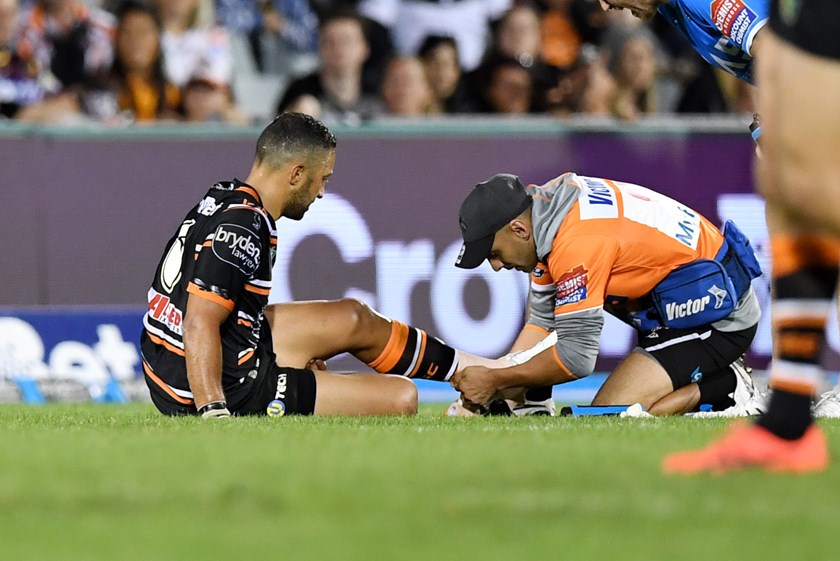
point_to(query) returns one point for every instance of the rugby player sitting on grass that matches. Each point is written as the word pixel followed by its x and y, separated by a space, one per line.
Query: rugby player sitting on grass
pixel 209 345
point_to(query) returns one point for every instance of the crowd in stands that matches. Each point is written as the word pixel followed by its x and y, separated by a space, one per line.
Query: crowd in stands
pixel 242 61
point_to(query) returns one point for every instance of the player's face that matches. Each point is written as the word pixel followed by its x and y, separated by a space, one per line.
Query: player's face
pixel 510 251
pixel 314 183
pixel 642 9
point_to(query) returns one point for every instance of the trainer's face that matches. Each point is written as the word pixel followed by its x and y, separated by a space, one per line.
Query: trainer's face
pixel 642 9
pixel 313 184
pixel 512 250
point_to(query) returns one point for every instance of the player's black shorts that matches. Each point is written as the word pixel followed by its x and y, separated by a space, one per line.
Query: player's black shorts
pixel 811 25
pixel 276 391
pixel 699 355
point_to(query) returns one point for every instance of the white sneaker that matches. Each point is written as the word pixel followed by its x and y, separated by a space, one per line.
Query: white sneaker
pixel 748 399
pixel 829 404
pixel 529 407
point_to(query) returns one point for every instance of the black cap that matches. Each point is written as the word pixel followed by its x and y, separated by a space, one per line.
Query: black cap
pixel 485 211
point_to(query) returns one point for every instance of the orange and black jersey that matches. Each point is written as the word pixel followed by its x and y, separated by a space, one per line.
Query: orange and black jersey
pixel 223 251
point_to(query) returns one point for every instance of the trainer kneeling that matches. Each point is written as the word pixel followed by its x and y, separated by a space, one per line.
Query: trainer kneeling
pixel 593 245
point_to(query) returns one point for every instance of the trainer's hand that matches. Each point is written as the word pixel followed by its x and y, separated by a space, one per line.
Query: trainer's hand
pixel 476 383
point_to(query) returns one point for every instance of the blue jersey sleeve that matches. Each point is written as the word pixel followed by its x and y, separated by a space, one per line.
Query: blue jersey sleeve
pixel 721 31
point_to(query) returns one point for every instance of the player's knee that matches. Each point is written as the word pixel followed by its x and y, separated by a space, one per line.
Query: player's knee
pixel 360 316
pixel 404 400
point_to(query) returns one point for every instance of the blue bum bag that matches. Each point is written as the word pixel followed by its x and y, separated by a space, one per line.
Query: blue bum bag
pixel 703 291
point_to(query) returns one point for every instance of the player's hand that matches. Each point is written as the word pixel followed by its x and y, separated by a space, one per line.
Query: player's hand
pixel 214 410
pixel 476 383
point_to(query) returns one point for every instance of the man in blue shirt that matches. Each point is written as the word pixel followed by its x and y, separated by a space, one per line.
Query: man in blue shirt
pixel 724 32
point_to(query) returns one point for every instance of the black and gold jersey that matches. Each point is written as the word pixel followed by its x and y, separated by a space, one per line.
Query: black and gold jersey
pixel 223 251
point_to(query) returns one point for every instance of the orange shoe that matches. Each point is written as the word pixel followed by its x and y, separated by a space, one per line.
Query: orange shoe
pixel 747 445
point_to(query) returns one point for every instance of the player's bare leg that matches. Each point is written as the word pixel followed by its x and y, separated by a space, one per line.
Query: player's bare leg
pixel 303 331
pixel 364 394
pixel 799 174
pixel 638 379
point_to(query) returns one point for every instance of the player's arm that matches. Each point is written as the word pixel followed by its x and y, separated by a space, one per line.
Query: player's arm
pixel 203 352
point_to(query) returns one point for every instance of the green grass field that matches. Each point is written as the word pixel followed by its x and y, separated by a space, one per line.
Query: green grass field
pixel 98 482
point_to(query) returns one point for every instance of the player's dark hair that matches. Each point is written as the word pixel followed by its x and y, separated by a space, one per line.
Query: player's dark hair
pixel 290 135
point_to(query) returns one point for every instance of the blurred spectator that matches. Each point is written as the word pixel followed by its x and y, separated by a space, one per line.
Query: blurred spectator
pixel 633 65
pixel 560 38
pixel 19 83
pixel 337 85
pixel 134 89
pixel 191 41
pixel 450 93
pixel 411 21
pixel 405 88
pixel 518 35
pixel 137 79
pixel 281 33
pixel 712 90
pixel 206 101
pixel 591 20
pixel 586 87
pixel 509 87
pixel 68 39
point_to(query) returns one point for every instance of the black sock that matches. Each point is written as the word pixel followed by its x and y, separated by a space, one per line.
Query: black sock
pixel 539 394
pixel 788 416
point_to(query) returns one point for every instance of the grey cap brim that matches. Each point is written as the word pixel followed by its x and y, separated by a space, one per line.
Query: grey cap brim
pixel 475 252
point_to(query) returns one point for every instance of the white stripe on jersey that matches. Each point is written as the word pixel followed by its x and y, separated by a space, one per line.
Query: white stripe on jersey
pixel 261 283
pixel 243 315
pixel 158 333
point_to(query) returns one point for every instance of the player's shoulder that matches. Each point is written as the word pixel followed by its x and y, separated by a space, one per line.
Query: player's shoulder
pixel 235 202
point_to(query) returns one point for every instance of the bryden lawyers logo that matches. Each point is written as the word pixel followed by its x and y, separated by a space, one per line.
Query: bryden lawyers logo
pixel 237 246
pixel 571 286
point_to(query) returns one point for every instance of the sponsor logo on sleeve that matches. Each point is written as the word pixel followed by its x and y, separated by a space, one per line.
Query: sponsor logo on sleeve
pixel 571 287
pixel 733 18
pixel 208 206
pixel 237 246
pixel 163 310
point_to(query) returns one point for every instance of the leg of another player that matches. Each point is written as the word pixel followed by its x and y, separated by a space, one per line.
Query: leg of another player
pixel 799 174
pixel 638 379
pixel 364 394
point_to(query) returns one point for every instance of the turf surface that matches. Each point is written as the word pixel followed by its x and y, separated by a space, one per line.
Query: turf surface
pixel 96 482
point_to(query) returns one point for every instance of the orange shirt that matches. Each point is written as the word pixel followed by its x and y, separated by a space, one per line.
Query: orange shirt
pixel 617 242
pixel 142 97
